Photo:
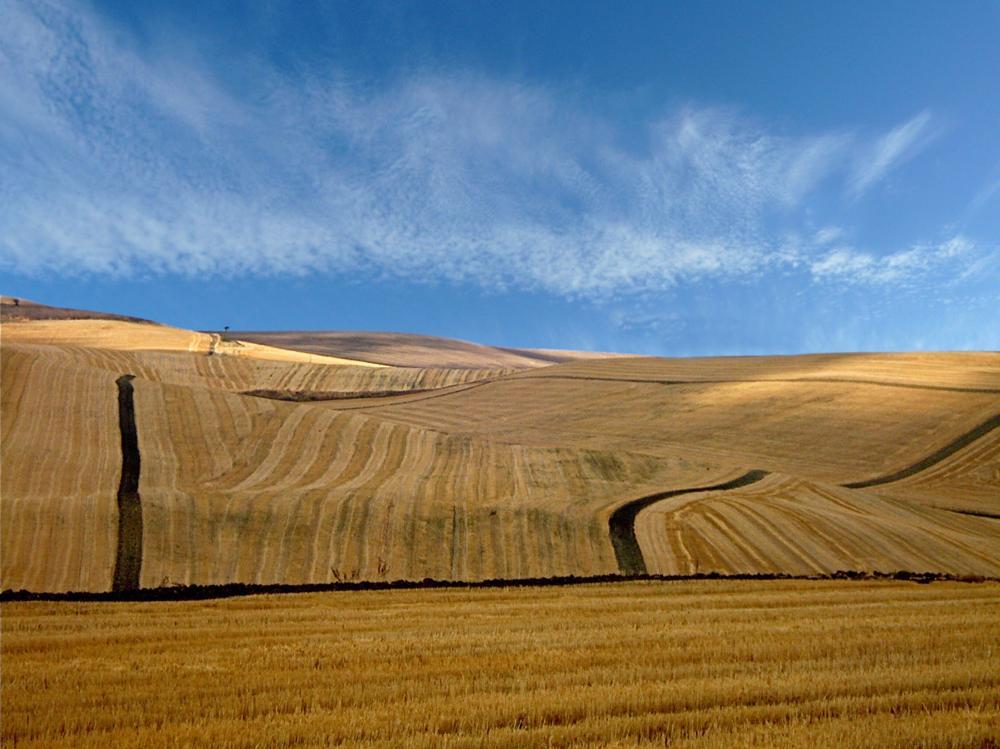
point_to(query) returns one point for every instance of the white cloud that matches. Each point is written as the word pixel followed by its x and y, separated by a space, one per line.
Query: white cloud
pixel 827 235
pixel 984 196
pixel 957 245
pixel 112 162
pixel 890 150
pixel 841 262
pixel 854 266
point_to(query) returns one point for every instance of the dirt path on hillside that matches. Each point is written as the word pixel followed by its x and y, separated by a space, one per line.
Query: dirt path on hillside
pixel 963 440
pixel 128 559
pixel 622 520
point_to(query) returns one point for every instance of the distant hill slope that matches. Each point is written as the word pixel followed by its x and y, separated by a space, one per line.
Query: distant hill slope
pixel 391 349
pixel 17 309
pixel 412 350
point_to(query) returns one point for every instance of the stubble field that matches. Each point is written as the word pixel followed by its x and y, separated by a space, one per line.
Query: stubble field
pixel 271 466
pixel 692 664
pixel 141 459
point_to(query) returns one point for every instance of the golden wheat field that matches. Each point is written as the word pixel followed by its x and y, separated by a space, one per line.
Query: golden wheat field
pixel 139 457
pixel 685 664
pixel 253 463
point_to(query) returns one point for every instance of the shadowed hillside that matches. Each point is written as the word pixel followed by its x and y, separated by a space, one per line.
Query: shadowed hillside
pixel 15 308
pixel 412 350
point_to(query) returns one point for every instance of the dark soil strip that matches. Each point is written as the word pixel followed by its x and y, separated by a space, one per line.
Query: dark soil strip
pixel 622 522
pixel 426 395
pixel 973 513
pixel 308 396
pixel 201 592
pixel 128 560
pixel 952 447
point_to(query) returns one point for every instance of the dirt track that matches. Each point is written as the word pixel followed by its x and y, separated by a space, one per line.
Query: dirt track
pixel 128 559
pixel 963 440
pixel 622 521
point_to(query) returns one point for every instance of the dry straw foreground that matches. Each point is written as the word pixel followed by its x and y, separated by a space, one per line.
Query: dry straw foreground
pixel 691 664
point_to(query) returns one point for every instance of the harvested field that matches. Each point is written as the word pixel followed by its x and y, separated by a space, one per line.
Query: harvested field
pixel 957 370
pixel 281 492
pixel 261 467
pixel 118 335
pixel 776 425
pixel 168 359
pixel 967 481
pixel 61 464
pixel 689 664
pixel 786 524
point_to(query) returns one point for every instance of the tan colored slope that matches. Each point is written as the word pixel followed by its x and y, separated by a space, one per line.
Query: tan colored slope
pixel 59 475
pixel 786 524
pixel 272 353
pixel 412 350
pixel 117 335
pixel 955 370
pixel 511 476
pixel 248 373
pixel 18 309
pixel 392 349
pixel 111 335
pixel 162 353
pixel 967 481
pixel 831 431
pixel 260 491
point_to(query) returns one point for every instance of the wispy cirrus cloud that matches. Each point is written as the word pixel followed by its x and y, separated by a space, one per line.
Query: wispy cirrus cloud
pixel 875 161
pixel 118 162
pixel 845 263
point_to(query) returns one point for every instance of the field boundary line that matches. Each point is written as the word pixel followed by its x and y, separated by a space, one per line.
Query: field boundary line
pixel 229 590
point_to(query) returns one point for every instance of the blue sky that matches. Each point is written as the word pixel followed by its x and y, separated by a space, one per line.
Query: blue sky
pixel 669 178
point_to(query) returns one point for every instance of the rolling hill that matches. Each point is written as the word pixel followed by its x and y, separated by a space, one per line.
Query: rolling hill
pixel 412 350
pixel 13 309
pixel 139 455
